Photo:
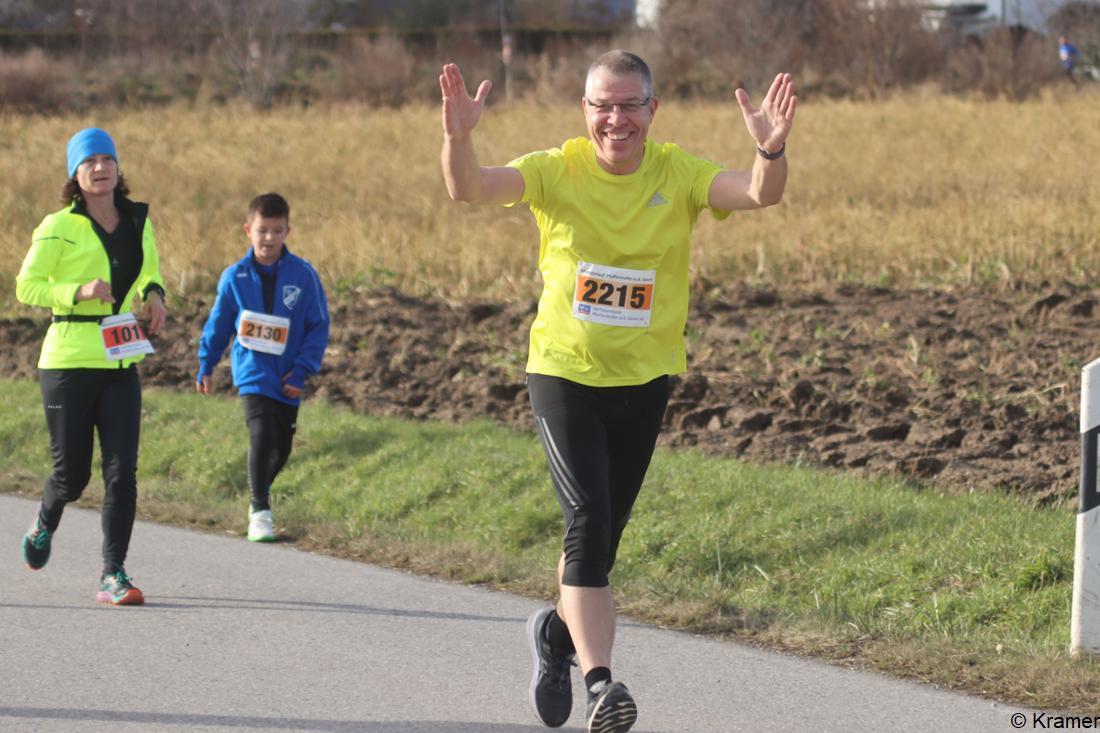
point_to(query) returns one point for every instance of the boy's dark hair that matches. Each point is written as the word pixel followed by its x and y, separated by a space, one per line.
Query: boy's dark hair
pixel 269 206
pixel 70 192
pixel 624 63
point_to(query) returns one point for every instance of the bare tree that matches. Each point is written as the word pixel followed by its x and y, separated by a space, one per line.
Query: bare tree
pixel 709 45
pixel 868 43
pixel 880 44
pixel 253 40
pixel 16 11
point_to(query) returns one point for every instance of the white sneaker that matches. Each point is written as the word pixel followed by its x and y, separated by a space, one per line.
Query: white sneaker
pixel 259 526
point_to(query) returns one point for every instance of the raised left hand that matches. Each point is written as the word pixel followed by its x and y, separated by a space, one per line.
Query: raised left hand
pixel 770 124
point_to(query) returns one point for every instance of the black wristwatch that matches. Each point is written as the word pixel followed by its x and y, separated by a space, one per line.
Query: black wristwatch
pixel 771 156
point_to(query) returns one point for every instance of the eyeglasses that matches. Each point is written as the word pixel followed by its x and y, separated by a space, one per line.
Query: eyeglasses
pixel 606 108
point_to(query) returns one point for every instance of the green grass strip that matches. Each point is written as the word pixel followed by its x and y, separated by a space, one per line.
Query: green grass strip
pixel 967 591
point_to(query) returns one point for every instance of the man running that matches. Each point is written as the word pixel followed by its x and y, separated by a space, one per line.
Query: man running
pixel 615 213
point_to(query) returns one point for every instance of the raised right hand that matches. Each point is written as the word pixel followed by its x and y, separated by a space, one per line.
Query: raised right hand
pixel 95 289
pixel 460 111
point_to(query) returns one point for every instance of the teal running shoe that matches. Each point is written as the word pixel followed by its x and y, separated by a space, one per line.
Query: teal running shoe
pixel 36 545
pixel 117 589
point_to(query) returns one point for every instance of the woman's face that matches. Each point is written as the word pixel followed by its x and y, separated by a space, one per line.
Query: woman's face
pixel 97 176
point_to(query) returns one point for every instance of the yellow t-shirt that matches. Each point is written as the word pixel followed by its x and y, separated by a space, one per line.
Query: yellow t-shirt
pixel 614 254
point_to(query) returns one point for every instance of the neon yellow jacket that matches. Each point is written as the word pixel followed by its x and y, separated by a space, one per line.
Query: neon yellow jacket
pixel 65 253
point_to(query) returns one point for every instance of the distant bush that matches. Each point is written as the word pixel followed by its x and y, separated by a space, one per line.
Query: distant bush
pixel 558 78
pixel 33 81
pixel 1004 63
pixel 707 45
pixel 379 71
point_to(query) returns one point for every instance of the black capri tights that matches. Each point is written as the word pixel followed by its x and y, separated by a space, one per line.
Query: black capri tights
pixel 598 442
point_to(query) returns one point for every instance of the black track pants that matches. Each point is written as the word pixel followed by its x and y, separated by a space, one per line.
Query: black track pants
pixel 79 403
pixel 598 442
pixel 271 427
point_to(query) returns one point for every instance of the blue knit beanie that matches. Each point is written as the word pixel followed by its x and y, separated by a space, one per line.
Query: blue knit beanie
pixel 86 143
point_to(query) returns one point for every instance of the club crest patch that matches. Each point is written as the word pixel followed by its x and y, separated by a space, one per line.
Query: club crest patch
pixel 291 293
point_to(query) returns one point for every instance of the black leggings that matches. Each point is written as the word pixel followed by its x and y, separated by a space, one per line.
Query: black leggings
pixel 78 403
pixel 598 442
pixel 271 425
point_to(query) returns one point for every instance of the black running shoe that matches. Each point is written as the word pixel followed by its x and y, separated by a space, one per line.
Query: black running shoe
pixel 36 546
pixel 551 685
pixel 611 709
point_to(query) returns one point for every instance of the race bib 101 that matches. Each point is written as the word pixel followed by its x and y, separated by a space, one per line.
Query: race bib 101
pixel 262 332
pixel 123 337
pixel 613 296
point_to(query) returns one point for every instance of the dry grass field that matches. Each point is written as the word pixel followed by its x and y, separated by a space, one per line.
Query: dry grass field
pixel 919 189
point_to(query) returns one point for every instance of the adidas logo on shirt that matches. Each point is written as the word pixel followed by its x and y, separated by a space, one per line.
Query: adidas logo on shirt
pixel 657 200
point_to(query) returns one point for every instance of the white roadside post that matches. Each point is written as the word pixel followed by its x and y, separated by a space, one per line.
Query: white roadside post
pixel 1084 636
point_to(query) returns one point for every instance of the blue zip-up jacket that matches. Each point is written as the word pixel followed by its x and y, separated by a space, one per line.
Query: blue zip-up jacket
pixel 299 296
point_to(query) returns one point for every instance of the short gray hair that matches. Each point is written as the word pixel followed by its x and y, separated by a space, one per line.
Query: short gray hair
pixel 623 63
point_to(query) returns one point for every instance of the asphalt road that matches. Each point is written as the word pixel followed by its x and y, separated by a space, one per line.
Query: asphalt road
pixel 246 637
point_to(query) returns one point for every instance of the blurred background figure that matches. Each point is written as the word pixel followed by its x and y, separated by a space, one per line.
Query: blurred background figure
pixel 1067 52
